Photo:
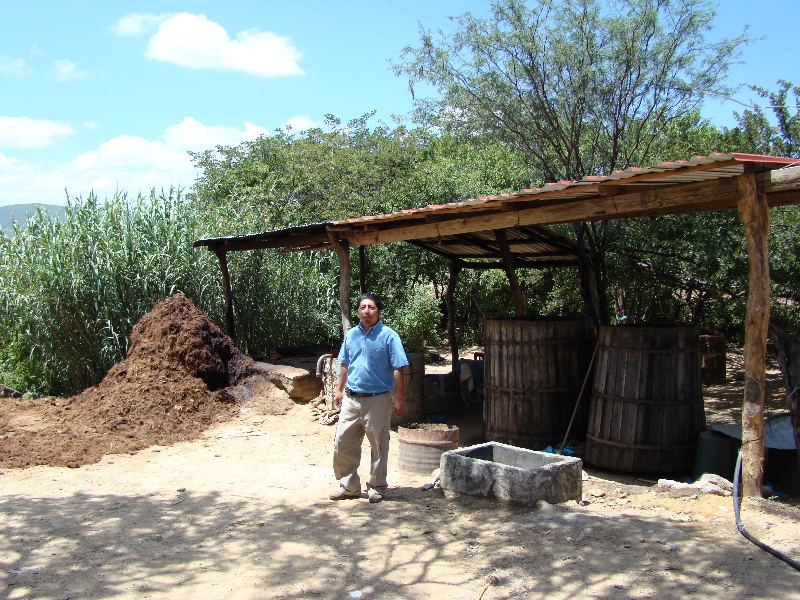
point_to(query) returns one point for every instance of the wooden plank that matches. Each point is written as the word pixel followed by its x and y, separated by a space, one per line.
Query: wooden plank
pixel 343 254
pixel 257 243
pixel 783 198
pixel 512 199
pixel 755 217
pixel 609 189
pixel 779 180
pixel 708 195
pixel 520 264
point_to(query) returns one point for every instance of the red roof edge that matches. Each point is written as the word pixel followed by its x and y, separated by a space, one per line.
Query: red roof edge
pixel 780 160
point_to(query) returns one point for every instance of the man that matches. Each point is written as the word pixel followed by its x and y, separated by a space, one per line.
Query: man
pixel 372 359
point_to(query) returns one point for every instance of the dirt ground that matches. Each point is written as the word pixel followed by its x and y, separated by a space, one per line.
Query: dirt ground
pixel 178 378
pixel 243 512
pixel 221 492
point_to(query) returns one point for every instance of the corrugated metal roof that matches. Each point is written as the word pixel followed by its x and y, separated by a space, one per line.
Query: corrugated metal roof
pixel 664 175
pixel 696 169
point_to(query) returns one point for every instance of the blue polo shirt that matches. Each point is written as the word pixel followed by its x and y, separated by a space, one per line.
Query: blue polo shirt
pixel 371 358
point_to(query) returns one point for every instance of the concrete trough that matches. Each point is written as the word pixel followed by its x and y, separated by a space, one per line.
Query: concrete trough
pixel 511 474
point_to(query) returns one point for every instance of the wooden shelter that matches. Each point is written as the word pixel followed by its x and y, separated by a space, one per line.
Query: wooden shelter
pixel 508 231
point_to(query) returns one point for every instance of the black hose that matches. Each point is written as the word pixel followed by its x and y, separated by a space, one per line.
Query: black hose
pixel 740 526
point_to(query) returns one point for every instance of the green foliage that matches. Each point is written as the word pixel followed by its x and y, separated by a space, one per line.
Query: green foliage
pixel 416 320
pixel 760 132
pixel 578 86
pixel 71 290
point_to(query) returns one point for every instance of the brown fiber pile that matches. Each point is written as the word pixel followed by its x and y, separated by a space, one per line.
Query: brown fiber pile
pixel 174 383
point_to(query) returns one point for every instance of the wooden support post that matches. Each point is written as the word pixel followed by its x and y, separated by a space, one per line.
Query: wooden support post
pixel 587 279
pixel 362 269
pixel 230 326
pixel 342 248
pixel 508 263
pixel 755 217
pixel 455 269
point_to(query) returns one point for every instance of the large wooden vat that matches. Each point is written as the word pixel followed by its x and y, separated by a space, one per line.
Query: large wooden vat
pixel 533 375
pixel 647 400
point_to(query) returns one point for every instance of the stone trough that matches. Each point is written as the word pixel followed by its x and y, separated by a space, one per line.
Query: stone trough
pixel 511 474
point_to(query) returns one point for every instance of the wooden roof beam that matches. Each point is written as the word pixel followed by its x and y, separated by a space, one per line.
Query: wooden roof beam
pixel 718 193
pixel 519 264
pixel 299 241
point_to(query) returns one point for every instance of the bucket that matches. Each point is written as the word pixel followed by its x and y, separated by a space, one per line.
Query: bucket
pixel 422 445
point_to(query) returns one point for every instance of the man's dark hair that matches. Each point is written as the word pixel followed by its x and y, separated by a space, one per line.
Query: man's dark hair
pixel 372 297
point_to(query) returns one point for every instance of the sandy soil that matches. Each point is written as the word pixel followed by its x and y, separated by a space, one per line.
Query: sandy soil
pixel 243 513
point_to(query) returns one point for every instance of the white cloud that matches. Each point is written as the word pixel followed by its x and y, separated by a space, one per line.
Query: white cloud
pixel 14 66
pixel 67 70
pixel 126 162
pixel 194 42
pixel 24 132
pixel 300 123
pixel 138 23
pixel 193 135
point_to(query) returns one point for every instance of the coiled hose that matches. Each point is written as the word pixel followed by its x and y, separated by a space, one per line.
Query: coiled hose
pixel 740 526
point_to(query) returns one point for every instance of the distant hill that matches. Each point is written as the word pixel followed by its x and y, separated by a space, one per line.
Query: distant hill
pixel 19 212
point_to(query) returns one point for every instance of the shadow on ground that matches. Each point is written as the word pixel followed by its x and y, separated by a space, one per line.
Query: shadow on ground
pixel 413 545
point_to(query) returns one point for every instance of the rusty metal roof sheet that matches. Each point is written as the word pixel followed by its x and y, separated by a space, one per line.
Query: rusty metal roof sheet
pixel 697 169
pixel 531 243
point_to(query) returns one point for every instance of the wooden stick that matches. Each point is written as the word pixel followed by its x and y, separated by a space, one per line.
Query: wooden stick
pixel 508 263
pixel 362 269
pixel 755 217
pixel 342 249
pixel 455 269
pixel 230 325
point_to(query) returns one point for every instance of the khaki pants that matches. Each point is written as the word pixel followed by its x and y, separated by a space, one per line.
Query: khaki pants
pixel 360 415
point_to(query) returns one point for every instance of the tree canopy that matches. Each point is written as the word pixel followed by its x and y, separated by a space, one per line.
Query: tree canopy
pixel 579 86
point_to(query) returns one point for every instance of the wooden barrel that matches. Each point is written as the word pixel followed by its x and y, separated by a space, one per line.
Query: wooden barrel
pixel 712 359
pixel 422 444
pixel 647 400
pixel 533 375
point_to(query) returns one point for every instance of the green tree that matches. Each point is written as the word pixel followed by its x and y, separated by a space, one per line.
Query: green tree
pixel 776 134
pixel 578 86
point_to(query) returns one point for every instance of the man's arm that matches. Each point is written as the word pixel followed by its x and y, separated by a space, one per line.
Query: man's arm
pixel 337 396
pixel 399 398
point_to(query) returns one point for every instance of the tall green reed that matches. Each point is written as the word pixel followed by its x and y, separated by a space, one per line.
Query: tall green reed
pixel 72 289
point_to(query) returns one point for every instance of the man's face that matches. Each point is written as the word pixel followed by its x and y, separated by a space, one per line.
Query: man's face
pixel 368 313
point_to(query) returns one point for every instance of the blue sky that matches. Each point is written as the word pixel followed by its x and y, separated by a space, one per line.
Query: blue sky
pixel 98 96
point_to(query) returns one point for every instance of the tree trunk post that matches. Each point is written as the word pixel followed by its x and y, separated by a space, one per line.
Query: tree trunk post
pixel 230 325
pixel 587 279
pixel 755 217
pixel 362 269
pixel 342 248
pixel 455 269
pixel 788 347
pixel 508 263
